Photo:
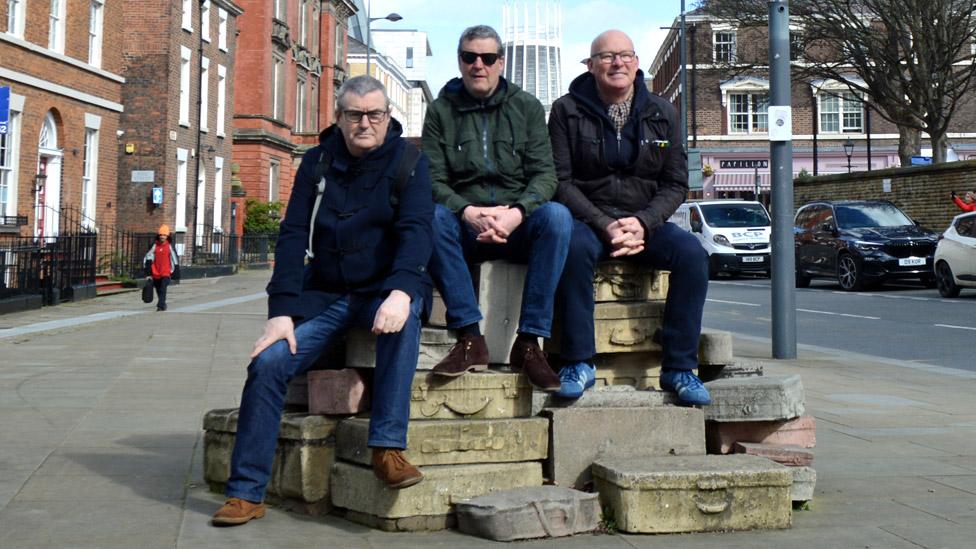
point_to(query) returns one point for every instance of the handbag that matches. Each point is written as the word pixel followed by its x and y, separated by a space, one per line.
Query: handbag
pixel 147 293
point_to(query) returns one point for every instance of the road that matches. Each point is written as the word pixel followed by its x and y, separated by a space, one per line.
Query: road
pixel 900 321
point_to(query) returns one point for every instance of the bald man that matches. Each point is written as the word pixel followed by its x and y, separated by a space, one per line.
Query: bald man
pixel 622 172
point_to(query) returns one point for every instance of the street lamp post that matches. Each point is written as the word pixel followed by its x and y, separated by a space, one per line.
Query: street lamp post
pixel 849 151
pixel 394 17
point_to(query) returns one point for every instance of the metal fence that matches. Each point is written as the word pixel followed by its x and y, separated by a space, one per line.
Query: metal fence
pixel 50 266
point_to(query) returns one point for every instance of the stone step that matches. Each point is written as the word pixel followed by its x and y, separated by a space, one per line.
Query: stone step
pixel 610 396
pixel 454 442
pixel 435 343
pixel 766 398
pixel 428 505
pixel 721 436
pixel 658 495
pixel 791 456
pixel 804 484
pixel 482 395
pixel 527 513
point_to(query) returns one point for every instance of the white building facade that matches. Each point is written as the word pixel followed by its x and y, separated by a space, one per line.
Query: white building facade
pixel 532 40
pixel 409 49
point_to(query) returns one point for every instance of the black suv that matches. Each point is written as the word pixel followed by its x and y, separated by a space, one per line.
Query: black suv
pixel 861 243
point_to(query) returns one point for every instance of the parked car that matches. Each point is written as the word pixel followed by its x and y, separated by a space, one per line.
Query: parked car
pixel 735 233
pixel 861 243
pixel 955 256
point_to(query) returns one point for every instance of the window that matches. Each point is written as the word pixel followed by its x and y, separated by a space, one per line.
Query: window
pixel 221 98
pixel 303 23
pixel 95 25
pixel 313 118
pixel 273 171
pixel 222 29
pixel 841 112
pixel 184 86
pixel 279 9
pixel 314 42
pixel 724 42
pixel 89 177
pixel 340 44
pixel 301 106
pixel 277 89
pixel 55 33
pixel 180 222
pixel 8 161
pixel 218 210
pixel 16 17
pixel 188 15
pixel 748 112
pixel 409 58
pixel 204 94
pixel 205 20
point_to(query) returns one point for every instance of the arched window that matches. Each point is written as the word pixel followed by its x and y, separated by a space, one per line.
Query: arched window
pixel 49 133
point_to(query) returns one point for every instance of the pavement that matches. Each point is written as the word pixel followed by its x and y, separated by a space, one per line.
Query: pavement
pixel 101 404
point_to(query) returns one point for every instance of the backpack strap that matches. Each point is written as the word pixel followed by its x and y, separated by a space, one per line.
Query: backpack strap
pixel 408 163
pixel 325 160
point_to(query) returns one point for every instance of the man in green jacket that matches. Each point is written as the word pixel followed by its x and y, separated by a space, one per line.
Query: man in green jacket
pixel 492 174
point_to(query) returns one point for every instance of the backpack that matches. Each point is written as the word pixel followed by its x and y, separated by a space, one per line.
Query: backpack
pixel 408 161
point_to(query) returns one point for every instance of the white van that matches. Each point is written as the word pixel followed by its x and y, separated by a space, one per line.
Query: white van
pixel 735 233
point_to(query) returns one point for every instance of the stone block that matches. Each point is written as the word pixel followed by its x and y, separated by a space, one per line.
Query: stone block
pixel 620 327
pixel 579 436
pixel 438 311
pixel 672 494
pixel 425 523
pixel 356 488
pixel 435 343
pixel 303 457
pixel 297 396
pixel 639 370
pixel 454 442
pixel 714 347
pixel 337 392
pixel 804 483
pixel 791 456
pixel 738 367
pixel 527 513
pixel 482 395
pixel 766 398
pixel 628 281
pixel 721 436
pixel 499 289
pixel 611 396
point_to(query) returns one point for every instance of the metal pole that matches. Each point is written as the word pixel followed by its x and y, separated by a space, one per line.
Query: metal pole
pixel 369 39
pixel 693 91
pixel 816 125
pixel 867 130
pixel 781 188
pixel 684 80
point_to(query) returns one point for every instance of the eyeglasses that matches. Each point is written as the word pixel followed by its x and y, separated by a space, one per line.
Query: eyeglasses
pixel 606 57
pixel 469 57
pixel 353 116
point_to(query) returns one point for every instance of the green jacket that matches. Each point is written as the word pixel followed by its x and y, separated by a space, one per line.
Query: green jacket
pixel 488 153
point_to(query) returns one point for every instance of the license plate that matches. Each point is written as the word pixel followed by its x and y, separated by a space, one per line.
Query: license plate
pixel 911 261
pixel 752 259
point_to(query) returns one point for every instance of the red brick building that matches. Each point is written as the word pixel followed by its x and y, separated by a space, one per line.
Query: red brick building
pixel 290 60
pixel 177 124
pixel 62 61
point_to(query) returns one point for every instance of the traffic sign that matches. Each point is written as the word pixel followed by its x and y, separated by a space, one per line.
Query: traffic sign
pixel 4 109
pixel 157 195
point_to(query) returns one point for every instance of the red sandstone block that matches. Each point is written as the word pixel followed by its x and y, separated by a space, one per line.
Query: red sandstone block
pixel 721 436
pixel 337 392
pixel 791 456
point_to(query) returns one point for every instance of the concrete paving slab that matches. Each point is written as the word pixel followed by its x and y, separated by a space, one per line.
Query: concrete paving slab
pixel 966 483
pixel 933 532
pixel 829 465
pixel 867 537
pixel 129 439
pixel 113 461
pixel 146 525
pixel 960 510
pixel 17 457
pixel 89 489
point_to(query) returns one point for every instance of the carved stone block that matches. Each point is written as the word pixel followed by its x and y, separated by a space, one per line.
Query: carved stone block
pixel 435 343
pixel 487 395
pixel 628 281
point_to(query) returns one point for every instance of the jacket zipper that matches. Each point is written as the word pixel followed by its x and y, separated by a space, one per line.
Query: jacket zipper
pixel 484 149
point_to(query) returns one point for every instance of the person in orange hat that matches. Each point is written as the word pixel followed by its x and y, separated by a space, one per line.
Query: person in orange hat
pixel 161 265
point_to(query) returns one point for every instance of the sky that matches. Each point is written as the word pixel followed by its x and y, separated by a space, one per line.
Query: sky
pixel 443 20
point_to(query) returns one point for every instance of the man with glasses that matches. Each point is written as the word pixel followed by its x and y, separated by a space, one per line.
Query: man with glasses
pixel 623 171
pixel 492 174
pixel 367 249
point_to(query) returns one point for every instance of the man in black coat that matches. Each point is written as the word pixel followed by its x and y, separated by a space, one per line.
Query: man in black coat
pixel 367 266
pixel 622 172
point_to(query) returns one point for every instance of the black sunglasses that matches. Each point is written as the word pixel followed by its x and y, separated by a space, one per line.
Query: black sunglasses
pixel 488 59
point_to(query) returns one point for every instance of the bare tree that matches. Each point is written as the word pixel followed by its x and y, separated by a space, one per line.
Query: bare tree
pixel 912 59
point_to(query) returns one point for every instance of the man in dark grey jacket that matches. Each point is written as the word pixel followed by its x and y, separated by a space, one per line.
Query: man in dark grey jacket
pixel 622 172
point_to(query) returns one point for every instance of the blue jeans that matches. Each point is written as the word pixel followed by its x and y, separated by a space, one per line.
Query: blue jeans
pixel 669 248
pixel 268 376
pixel 541 241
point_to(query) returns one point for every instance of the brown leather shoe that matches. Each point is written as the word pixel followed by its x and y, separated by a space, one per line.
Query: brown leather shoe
pixel 237 511
pixel 528 357
pixel 391 467
pixel 469 354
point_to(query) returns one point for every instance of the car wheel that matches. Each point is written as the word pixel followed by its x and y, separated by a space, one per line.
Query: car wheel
pixel 945 281
pixel 802 280
pixel 849 273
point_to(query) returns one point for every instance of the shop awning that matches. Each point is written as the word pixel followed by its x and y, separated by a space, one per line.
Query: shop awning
pixel 739 181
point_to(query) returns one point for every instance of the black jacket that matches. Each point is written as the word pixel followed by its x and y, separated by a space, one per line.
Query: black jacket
pixel 603 176
pixel 364 242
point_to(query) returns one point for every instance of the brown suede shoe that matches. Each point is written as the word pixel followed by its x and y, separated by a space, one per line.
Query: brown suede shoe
pixel 237 511
pixel 528 357
pixel 391 467
pixel 469 354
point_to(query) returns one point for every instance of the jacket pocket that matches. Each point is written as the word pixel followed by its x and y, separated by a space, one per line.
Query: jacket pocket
pixel 463 156
pixel 509 155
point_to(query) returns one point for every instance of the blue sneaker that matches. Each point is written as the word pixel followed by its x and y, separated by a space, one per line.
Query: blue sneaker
pixel 576 378
pixel 689 388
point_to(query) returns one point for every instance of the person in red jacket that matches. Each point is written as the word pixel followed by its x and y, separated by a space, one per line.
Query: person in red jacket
pixel 967 204
pixel 161 265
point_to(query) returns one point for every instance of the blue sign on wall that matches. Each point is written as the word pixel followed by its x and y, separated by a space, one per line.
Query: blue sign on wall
pixel 4 108
pixel 157 195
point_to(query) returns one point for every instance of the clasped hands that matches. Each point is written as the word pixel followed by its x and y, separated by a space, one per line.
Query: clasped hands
pixel 494 224
pixel 626 236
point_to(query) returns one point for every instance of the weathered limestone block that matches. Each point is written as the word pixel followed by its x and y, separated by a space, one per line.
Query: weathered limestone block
pixel 297 396
pixel 738 367
pixel 714 347
pixel 438 311
pixel 620 327
pixel 303 458
pixel 435 343
pixel 454 442
pixel 628 281
pixel 791 456
pixel 766 398
pixel 482 395
pixel 580 436
pixel 695 493
pixel 337 392
pixel 804 483
pixel 423 523
pixel 721 436
pixel 499 289
pixel 640 370
pixel 356 488
pixel 527 513
pixel 611 396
